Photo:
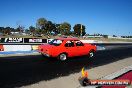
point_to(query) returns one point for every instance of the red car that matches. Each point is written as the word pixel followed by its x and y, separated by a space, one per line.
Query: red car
pixel 62 48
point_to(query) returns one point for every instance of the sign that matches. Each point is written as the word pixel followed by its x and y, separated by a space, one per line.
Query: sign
pixel 34 40
pixel 11 40
pixel 22 40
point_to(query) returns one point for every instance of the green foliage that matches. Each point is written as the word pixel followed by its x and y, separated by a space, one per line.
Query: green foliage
pixel 49 27
pixel 38 31
pixel 79 30
pixel 20 29
pixel 41 23
pixel 105 36
pixel 32 30
pixel 6 30
pixel 43 26
pixel 65 28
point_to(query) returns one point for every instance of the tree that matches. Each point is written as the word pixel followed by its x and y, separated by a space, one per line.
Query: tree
pixel 2 29
pixel 27 31
pixel 49 27
pixel 65 28
pixel 20 29
pixel 79 30
pixel 105 36
pixel 7 30
pixel 38 31
pixel 32 29
pixel 41 23
pixel 56 29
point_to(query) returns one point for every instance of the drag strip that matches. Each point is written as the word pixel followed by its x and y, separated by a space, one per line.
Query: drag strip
pixel 19 71
pixel 5 53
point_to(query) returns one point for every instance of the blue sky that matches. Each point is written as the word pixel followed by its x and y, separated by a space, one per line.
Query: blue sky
pixel 99 16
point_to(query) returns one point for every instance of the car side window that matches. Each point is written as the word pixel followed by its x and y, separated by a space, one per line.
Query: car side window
pixel 79 43
pixel 69 44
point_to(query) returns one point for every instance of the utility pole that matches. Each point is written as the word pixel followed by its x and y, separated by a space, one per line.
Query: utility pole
pixel 81 29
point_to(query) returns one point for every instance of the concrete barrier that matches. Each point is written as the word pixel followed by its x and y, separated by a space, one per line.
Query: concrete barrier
pixel 91 41
pixel 34 47
pixel 17 47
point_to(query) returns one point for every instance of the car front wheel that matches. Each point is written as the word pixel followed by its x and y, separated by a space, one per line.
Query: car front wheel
pixel 91 54
pixel 62 57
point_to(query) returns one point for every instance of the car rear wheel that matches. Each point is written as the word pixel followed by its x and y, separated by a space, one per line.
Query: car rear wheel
pixel 62 57
pixel 42 54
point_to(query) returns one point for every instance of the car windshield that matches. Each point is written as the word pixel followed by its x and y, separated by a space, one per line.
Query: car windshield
pixel 55 42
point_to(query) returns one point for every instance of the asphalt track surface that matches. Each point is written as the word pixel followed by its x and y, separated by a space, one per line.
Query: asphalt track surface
pixel 25 70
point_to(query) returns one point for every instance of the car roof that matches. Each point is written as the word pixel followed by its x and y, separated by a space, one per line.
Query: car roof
pixel 73 38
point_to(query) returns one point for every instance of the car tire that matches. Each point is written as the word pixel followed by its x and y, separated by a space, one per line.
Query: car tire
pixel 62 57
pixel 91 54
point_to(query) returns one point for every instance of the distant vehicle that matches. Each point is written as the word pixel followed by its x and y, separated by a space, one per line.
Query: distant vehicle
pixel 62 48
pixel 37 35
pixel 15 34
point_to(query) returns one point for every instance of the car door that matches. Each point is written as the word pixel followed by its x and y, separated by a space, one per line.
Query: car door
pixel 70 48
pixel 80 48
